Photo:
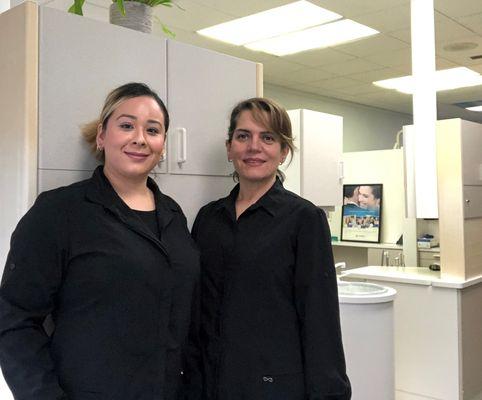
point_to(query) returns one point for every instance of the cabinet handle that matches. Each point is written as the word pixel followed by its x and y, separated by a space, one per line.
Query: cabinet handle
pixel 341 173
pixel 181 145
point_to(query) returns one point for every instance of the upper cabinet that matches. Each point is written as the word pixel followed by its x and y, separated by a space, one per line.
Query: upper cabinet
pixel 203 87
pixel 316 170
pixel 80 61
pixel 459 158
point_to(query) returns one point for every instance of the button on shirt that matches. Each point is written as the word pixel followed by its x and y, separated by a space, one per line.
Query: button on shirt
pixel 269 300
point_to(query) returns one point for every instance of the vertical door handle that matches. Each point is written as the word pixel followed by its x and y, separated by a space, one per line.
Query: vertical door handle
pixel 181 145
pixel 341 173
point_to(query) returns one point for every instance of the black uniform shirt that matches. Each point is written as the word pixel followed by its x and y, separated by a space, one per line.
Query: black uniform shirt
pixel 270 321
pixel 119 295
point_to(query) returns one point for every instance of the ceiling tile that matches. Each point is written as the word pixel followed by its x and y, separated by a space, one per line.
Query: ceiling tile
pixel 402 34
pixel 396 58
pixel 446 29
pixel 352 67
pixel 442 63
pixel 319 57
pixel 190 16
pixel 377 44
pixel 377 75
pixel 338 83
pixel 360 89
pixel 458 8
pixel 280 80
pixel 351 8
pixel 472 22
pixel 307 75
pixel 388 19
pixel 477 68
pixel 276 65
pixel 242 8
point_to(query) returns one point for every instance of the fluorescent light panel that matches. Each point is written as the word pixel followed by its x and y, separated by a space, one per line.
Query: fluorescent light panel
pixel 475 108
pixel 326 35
pixel 288 18
pixel 446 79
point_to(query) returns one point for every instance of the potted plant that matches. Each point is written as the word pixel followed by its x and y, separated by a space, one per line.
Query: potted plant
pixel 134 14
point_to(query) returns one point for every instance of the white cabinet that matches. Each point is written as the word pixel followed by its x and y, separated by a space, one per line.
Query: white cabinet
pixel 80 61
pixel 315 172
pixel 59 68
pixel 203 87
pixel 459 167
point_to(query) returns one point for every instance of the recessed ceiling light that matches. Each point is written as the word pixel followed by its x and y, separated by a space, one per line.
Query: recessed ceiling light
pixel 446 79
pixel 475 108
pixel 317 37
pixel 288 18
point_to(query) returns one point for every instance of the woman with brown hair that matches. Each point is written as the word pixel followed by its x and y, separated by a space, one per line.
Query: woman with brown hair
pixel 270 327
pixel 111 260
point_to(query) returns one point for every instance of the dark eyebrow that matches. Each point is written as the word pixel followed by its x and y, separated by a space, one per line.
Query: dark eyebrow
pixel 127 115
pixel 248 131
pixel 151 121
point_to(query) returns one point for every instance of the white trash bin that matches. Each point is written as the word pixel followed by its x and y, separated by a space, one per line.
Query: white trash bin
pixel 366 313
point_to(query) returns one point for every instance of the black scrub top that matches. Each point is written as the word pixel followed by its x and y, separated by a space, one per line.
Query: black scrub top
pixel 120 296
pixel 270 325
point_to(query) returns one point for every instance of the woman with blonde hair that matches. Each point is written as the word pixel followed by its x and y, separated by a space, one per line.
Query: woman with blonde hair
pixel 111 260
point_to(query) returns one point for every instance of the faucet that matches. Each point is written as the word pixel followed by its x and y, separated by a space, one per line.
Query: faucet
pixel 385 259
pixel 340 265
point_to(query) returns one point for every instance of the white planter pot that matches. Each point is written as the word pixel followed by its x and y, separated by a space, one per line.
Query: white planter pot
pixel 138 16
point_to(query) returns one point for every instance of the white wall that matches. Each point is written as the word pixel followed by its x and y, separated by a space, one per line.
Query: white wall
pixel 364 128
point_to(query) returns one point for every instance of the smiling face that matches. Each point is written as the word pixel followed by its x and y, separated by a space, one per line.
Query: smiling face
pixel 255 151
pixel 366 198
pixel 133 139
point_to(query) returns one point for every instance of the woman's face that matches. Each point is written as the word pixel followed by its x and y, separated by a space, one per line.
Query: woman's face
pixel 133 140
pixel 366 199
pixel 255 151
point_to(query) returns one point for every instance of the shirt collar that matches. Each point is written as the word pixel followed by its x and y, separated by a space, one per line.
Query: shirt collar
pixel 269 201
pixel 101 191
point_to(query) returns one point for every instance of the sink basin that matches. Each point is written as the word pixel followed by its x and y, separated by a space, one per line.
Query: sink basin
pixel 364 292
pixel 360 288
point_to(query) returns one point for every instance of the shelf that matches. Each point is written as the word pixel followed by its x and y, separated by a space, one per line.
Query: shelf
pixel 369 245
pixel 430 250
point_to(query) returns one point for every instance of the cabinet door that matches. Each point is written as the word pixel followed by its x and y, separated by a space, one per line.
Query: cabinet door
pixel 321 155
pixel 81 60
pixel 315 170
pixel 203 87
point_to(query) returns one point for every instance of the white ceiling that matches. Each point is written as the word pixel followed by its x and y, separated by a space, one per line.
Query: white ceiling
pixel 346 71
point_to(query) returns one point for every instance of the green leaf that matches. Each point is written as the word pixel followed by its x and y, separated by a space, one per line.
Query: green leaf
pixel 168 32
pixel 76 8
pixel 120 5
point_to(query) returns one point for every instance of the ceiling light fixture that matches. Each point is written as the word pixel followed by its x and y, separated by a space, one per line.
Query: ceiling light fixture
pixel 321 36
pixel 446 79
pixel 288 18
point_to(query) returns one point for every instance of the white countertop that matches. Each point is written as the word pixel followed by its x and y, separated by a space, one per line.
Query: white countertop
pixel 413 275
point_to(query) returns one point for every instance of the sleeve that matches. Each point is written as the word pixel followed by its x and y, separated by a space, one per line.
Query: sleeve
pixel 316 298
pixel 193 373
pixel 30 282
